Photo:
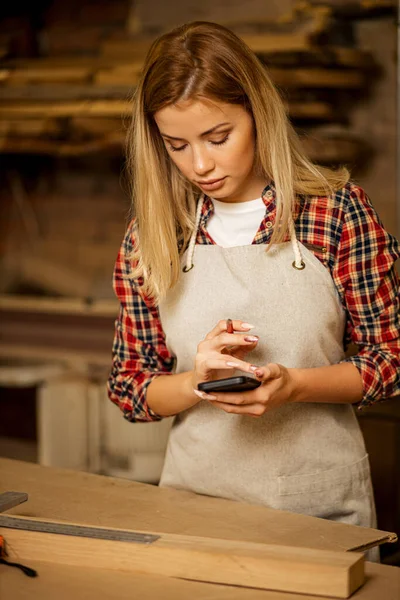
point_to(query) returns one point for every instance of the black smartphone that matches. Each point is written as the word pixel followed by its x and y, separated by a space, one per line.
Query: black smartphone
pixel 241 383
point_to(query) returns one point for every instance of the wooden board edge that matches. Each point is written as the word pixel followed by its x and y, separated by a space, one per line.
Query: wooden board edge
pixel 216 561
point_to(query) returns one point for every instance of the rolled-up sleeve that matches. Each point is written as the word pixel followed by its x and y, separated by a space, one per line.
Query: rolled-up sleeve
pixel 139 351
pixel 367 281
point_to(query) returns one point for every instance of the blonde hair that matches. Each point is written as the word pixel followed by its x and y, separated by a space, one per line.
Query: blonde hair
pixel 205 60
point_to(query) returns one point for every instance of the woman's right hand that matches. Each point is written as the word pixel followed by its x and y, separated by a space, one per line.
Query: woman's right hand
pixel 221 352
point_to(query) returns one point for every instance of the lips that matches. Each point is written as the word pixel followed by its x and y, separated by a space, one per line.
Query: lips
pixel 210 181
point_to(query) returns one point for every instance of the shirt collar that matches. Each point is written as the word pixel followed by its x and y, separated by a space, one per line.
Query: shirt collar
pixel 268 196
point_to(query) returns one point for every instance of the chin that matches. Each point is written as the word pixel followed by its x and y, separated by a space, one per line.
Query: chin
pixel 223 193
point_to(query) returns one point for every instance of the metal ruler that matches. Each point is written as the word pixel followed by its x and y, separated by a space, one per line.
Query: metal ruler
pixel 10 499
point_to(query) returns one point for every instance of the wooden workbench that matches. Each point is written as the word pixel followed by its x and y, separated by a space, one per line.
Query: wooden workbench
pixel 95 500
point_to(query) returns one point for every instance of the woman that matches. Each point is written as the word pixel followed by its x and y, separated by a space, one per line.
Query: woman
pixel 232 220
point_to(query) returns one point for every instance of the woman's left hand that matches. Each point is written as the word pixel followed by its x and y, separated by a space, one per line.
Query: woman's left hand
pixel 277 388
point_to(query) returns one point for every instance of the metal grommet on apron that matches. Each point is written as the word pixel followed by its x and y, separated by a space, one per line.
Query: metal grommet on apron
pixel 308 458
pixel 299 267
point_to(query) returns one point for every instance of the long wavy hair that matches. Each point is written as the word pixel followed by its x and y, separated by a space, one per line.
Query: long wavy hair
pixel 202 60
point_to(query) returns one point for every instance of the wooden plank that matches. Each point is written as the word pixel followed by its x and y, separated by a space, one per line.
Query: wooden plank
pixel 246 564
pixel 258 42
pixel 68 74
pixel 125 504
pixel 125 77
pixel 347 57
pixel 288 77
pixel 311 110
pixel 318 78
pixel 99 67
pixel 300 18
pixel 58 305
pixel 94 126
pixel 109 143
pixel 120 77
pixel 101 108
pixel 265 43
pixel 331 56
pixel 51 64
pixel 63 92
pixel 119 108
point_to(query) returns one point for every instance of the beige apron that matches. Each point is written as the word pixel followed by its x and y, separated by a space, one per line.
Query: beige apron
pixel 308 458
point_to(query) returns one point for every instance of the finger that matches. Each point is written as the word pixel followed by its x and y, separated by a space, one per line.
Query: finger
pixel 226 362
pixel 275 370
pixel 270 371
pixel 241 365
pixel 224 340
pixel 222 326
pixel 250 410
pixel 210 364
pixel 236 399
pixel 203 395
pixel 240 351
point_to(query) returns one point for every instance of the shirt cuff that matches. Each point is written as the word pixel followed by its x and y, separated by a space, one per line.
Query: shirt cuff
pixel 372 387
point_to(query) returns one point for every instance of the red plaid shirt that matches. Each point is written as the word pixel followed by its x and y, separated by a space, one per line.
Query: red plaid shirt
pixel 346 235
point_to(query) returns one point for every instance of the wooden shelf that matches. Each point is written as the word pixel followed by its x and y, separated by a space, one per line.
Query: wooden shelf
pixel 67 306
pixel 78 105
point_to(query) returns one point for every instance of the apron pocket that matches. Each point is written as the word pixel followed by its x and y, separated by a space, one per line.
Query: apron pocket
pixel 327 494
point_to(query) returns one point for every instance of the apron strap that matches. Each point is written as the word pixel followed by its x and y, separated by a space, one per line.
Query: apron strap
pixel 189 260
pixel 298 262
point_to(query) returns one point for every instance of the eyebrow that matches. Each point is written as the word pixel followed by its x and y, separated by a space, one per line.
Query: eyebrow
pixel 170 137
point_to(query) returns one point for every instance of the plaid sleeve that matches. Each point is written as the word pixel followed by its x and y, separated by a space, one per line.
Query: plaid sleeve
pixel 366 279
pixel 139 350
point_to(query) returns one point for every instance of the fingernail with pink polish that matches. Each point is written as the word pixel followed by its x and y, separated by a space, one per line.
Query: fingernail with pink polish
pixel 251 338
pixel 254 368
pixel 247 326
pixel 204 396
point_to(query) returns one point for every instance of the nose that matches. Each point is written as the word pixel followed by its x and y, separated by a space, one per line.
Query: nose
pixel 202 161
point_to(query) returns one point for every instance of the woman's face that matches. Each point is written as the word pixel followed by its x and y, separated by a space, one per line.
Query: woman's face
pixel 213 145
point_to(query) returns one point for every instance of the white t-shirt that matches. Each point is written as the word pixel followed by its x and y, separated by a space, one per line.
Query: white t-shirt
pixel 235 223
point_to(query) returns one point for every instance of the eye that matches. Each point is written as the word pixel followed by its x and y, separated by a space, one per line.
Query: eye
pixel 173 149
pixel 221 142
